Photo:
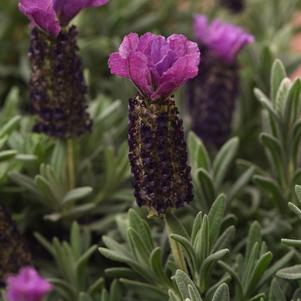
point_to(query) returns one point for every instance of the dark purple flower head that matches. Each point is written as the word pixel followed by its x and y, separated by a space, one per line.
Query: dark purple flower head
pixel 50 15
pixel 225 40
pixel 157 66
pixel 28 285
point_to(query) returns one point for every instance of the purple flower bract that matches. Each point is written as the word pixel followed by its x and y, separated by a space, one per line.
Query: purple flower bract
pixel 50 15
pixel 157 66
pixel 225 40
pixel 28 285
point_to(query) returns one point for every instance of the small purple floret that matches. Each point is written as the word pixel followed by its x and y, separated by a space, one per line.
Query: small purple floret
pixel 50 15
pixel 157 66
pixel 224 39
pixel 28 285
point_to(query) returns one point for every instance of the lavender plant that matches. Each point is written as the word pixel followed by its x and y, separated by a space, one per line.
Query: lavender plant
pixel 211 95
pixel 208 222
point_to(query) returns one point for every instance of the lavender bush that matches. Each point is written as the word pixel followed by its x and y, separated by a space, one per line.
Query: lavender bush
pixel 181 183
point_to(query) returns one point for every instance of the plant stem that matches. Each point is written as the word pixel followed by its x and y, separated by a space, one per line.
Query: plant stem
pixel 70 164
pixel 176 249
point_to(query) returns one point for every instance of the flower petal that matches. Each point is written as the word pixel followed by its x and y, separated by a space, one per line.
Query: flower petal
pixel 68 9
pixel 139 72
pixel 182 46
pixel 224 39
pixel 118 65
pixel 181 71
pixel 129 44
pixel 41 13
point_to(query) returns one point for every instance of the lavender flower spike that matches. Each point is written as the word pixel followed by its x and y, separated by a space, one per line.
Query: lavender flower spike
pixel 50 15
pixel 158 156
pixel 224 39
pixel 157 66
pixel 28 285
pixel 212 94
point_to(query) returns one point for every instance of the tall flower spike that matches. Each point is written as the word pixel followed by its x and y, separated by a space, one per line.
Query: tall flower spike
pixel 58 89
pixel 28 285
pixel 57 86
pixel 158 156
pixel 212 94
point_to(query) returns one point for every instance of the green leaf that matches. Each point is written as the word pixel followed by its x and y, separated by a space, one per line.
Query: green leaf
pixel 266 103
pixel 188 249
pixel 193 293
pixel 197 224
pixel 198 155
pixel 201 244
pixel 84 297
pixel 75 239
pixel 84 258
pixel 183 282
pixel 7 155
pixel 277 75
pixel 141 227
pixel 77 194
pixel 276 293
pixel 295 209
pixel 210 260
pixel 215 218
pixel 223 160
pixel 10 126
pixel 254 237
pixel 260 267
pixel 235 276
pixel 276 267
pixel 206 185
pixel 224 239
pixel 282 95
pixel 293 102
pixel 158 269
pixel 222 293
pixel 138 247
pixel 291 273
pixel 291 242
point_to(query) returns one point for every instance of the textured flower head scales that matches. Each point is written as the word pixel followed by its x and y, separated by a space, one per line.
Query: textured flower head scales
pixel 28 285
pixel 224 39
pixel 50 15
pixel 156 65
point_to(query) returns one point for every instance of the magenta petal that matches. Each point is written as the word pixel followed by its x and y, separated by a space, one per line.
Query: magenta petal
pixel 139 72
pixel 68 9
pixel 177 75
pixel 166 62
pixel 145 42
pixel 118 65
pixel 224 39
pixel 27 285
pixel 182 46
pixel 128 45
pixel 41 13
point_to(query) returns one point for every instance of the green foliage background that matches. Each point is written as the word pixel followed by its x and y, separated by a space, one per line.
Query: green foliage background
pixel 238 240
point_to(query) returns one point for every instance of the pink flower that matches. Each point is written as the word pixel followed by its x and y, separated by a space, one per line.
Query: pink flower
pixel 157 66
pixel 28 285
pixel 50 15
pixel 225 40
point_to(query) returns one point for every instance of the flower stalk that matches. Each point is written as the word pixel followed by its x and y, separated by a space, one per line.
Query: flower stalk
pixel 176 249
pixel 70 163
